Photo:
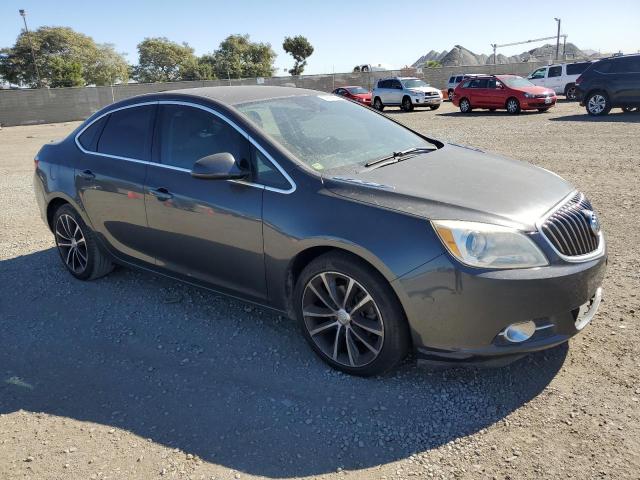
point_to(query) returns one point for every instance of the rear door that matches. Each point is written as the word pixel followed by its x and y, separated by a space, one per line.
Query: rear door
pixel 396 92
pixel 111 178
pixel 206 230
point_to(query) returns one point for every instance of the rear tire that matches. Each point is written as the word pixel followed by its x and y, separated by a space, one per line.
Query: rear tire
pixel 597 104
pixel 78 247
pixel 363 340
pixel 406 105
pixel 465 105
pixel 513 106
pixel 377 104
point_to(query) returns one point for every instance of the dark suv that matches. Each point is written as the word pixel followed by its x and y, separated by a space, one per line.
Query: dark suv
pixel 611 82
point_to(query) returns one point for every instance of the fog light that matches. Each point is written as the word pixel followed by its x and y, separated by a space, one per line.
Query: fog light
pixel 519 332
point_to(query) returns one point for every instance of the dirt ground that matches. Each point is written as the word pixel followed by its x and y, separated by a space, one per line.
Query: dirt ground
pixel 137 376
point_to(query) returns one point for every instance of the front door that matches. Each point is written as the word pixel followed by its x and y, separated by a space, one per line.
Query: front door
pixel 555 79
pixel 110 179
pixel 539 77
pixel 205 230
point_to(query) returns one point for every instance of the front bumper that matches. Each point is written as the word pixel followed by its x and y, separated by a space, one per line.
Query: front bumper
pixel 457 313
pixel 534 103
pixel 429 101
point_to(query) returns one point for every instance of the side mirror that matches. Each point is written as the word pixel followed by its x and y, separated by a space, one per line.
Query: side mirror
pixel 219 166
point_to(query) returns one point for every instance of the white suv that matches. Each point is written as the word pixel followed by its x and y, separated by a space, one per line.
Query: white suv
pixel 561 77
pixel 405 92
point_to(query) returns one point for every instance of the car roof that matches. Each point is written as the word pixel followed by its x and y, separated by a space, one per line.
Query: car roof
pixel 241 94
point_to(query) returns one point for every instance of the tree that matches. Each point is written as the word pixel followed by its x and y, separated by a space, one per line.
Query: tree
pixel 65 58
pixel 300 49
pixel 161 60
pixel 109 68
pixel 239 57
pixel 432 64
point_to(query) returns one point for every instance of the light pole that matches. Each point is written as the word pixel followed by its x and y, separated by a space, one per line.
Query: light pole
pixel 558 40
pixel 23 14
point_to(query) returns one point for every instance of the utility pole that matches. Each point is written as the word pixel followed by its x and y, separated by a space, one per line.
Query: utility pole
pixel 558 40
pixel 23 14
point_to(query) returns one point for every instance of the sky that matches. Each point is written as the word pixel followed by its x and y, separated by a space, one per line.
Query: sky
pixel 343 33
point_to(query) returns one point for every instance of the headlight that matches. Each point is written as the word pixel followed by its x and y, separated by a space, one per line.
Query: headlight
pixel 488 246
pixel 529 95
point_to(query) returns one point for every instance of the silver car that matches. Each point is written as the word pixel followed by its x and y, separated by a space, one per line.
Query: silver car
pixel 405 92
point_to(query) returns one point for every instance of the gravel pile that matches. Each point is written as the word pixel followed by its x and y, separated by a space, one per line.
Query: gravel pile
pixel 137 376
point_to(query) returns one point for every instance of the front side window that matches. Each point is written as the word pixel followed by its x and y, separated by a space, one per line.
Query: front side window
pixel 555 71
pixel 127 133
pixel 188 134
pixel 357 90
pixel 396 84
pixel 328 133
pixel 540 73
pixel 467 84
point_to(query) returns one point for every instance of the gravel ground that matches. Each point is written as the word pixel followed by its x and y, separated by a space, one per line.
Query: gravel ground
pixel 136 376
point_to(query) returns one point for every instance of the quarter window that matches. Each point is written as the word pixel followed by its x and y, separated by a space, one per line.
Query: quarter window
pixel 459 79
pixel 127 133
pixel 452 80
pixel 89 138
pixel 187 134
pixel 555 71
pixel 265 173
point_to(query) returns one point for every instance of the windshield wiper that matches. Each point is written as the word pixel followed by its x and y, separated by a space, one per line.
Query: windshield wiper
pixel 397 156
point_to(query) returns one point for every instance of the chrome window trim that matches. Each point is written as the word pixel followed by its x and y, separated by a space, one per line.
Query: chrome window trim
pixel 598 252
pixel 179 169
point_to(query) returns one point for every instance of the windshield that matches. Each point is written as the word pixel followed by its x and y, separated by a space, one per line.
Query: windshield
pixel 413 83
pixel 357 90
pixel 329 133
pixel 514 82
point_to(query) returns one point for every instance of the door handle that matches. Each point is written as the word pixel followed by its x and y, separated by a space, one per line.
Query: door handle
pixel 161 194
pixel 87 175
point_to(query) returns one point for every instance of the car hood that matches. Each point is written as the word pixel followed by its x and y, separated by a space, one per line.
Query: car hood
pixel 458 183
pixel 536 89
pixel 424 89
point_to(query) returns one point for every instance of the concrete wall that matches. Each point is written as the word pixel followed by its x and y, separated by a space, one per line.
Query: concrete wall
pixel 24 107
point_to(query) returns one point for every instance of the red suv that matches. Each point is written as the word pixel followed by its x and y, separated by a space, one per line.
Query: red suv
pixel 359 94
pixel 502 91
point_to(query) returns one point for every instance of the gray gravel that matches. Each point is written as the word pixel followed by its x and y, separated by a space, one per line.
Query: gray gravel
pixel 136 376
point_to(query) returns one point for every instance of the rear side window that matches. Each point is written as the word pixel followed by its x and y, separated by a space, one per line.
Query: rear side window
pixel 127 133
pixel 555 71
pixel 577 68
pixel 603 66
pixel 89 138
pixel 187 134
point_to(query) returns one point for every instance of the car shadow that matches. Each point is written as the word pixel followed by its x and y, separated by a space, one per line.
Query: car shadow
pixel 487 113
pixel 221 379
pixel 612 117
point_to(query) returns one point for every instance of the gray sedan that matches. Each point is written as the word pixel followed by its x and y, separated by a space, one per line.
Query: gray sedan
pixel 377 239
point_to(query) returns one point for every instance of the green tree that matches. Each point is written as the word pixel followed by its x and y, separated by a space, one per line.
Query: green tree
pixel 161 60
pixel 300 49
pixel 239 57
pixel 109 67
pixel 65 57
pixel 432 64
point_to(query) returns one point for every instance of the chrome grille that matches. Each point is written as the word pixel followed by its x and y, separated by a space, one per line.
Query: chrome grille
pixel 569 228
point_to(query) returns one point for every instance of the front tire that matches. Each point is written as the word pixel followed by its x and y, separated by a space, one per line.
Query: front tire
pixel 77 246
pixel 407 105
pixel 450 95
pixel 598 104
pixel 465 105
pixel 542 110
pixel 513 106
pixel 377 104
pixel 350 316
pixel 571 93
pixel 434 107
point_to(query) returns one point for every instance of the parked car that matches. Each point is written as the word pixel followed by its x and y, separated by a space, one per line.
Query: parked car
pixel 376 238
pixel 405 92
pixel 510 92
pixel 561 78
pixel 455 80
pixel 356 93
pixel 611 82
